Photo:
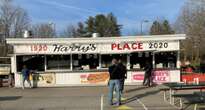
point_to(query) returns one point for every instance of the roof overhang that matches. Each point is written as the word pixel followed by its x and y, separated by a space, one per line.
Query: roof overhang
pixel 24 41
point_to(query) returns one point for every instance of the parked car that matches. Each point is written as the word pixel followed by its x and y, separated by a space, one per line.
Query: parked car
pixel 5 69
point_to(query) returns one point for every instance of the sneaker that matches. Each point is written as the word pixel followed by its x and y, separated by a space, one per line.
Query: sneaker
pixel 123 99
pixel 118 104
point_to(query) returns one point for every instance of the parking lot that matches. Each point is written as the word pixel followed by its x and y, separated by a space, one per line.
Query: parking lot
pixel 81 98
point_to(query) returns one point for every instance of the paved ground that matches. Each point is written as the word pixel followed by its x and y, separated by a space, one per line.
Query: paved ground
pixel 80 98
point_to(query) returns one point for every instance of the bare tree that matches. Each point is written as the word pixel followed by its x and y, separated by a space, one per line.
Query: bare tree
pixel 7 13
pixel 21 22
pixel 13 20
pixel 191 21
pixel 43 30
pixel 70 31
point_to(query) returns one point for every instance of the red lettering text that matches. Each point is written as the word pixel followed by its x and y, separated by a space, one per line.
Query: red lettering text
pixel 140 46
pixel 127 46
pixel 114 46
pixel 134 46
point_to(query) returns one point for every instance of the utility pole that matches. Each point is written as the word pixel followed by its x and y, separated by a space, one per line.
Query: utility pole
pixel 143 21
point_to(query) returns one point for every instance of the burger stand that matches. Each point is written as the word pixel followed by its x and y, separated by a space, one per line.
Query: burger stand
pixel 85 61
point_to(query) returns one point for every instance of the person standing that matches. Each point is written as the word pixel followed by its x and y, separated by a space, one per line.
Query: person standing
pixel 148 74
pixel 25 73
pixel 114 82
pixel 11 79
pixel 123 75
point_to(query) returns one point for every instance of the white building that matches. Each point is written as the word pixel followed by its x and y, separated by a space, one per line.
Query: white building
pixel 84 61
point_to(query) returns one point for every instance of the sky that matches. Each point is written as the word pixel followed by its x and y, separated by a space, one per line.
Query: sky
pixel 129 13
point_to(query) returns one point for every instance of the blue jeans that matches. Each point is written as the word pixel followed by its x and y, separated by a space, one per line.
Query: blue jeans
pixel 26 78
pixel 122 81
pixel 114 84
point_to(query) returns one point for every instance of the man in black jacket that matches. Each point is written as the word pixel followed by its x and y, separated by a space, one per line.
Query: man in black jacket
pixel 114 82
pixel 148 74
pixel 123 75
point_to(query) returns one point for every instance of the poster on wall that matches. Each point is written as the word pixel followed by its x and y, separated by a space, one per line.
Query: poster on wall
pixel 46 79
pixel 138 76
pixel 94 78
pixel 161 76
pixel 158 76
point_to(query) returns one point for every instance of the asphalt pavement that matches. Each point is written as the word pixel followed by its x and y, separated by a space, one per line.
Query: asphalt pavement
pixel 81 98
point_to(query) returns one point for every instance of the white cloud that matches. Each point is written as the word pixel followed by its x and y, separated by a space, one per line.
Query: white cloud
pixel 60 5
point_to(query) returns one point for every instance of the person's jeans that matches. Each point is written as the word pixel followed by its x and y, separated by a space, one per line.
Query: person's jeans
pixel 114 84
pixel 122 81
pixel 26 78
pixel 147 80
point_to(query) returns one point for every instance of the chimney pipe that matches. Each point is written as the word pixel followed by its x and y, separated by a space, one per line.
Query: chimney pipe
pixel 94 35
pixel 27 34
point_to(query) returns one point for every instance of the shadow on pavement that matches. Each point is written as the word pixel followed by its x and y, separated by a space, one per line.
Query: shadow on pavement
pixel 136 89
pixel 138 96
pixel 10 98
pixel 192 100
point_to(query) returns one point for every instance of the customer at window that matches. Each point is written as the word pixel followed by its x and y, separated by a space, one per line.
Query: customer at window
pixel 25 74
pixel 148 74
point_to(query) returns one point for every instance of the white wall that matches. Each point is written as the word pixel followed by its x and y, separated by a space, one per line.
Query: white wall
pixel 67 79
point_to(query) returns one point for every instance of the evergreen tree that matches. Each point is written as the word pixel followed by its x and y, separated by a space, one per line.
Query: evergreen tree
pixel 80 32
pixel 166 29
pixel 106 26
pixel 114 28
pixel 101 24
pixel 90 28
pixel 158 28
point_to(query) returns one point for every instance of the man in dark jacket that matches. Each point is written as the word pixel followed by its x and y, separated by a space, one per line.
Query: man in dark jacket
pixel 123 75
pixel 148 74
pixel 114 82
pixel 25 73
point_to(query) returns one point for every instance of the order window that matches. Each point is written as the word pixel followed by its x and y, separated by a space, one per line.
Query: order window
pixel 85 61
pixel 107 59
pixel 166 59
pixel 33 62
pixel 57 62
